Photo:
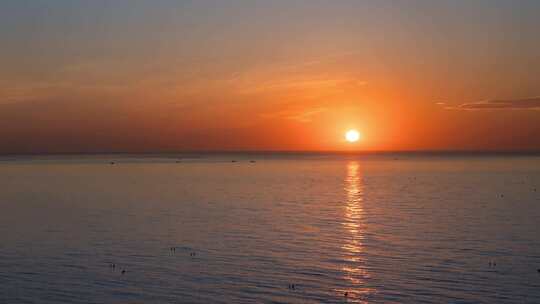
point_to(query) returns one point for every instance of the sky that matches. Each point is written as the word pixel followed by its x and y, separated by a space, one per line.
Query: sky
pixel 155 76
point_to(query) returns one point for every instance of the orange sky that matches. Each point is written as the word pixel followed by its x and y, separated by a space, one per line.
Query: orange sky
pixel 256 75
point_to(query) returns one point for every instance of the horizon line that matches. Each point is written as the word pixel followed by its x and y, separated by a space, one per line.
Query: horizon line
pixel 240 151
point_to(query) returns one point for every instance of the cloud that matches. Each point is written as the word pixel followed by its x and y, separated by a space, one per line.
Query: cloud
pixel 503 104
pixel 307 115
pixel 303 116
pixel 304 84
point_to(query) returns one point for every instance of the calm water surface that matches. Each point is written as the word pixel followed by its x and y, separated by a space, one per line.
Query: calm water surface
pixel 341 228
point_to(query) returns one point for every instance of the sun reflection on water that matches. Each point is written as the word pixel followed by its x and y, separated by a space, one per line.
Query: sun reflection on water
pixel 354 268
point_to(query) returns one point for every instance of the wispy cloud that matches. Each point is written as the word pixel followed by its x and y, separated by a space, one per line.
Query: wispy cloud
pixel 303 116
pixel 304 84
pixel 307 115
pixel 501 104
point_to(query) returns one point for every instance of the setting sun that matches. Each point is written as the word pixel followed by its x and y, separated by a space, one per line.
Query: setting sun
pixel 352 136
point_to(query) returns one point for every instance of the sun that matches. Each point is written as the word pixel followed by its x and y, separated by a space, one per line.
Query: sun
pixel 352 136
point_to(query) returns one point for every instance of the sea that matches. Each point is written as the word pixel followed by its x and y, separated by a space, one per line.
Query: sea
pixel 270 228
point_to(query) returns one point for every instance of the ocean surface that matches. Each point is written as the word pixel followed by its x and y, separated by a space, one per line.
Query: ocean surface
pixel 204 229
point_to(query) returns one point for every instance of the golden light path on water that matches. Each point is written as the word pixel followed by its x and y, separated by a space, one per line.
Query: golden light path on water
pixel 355 267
